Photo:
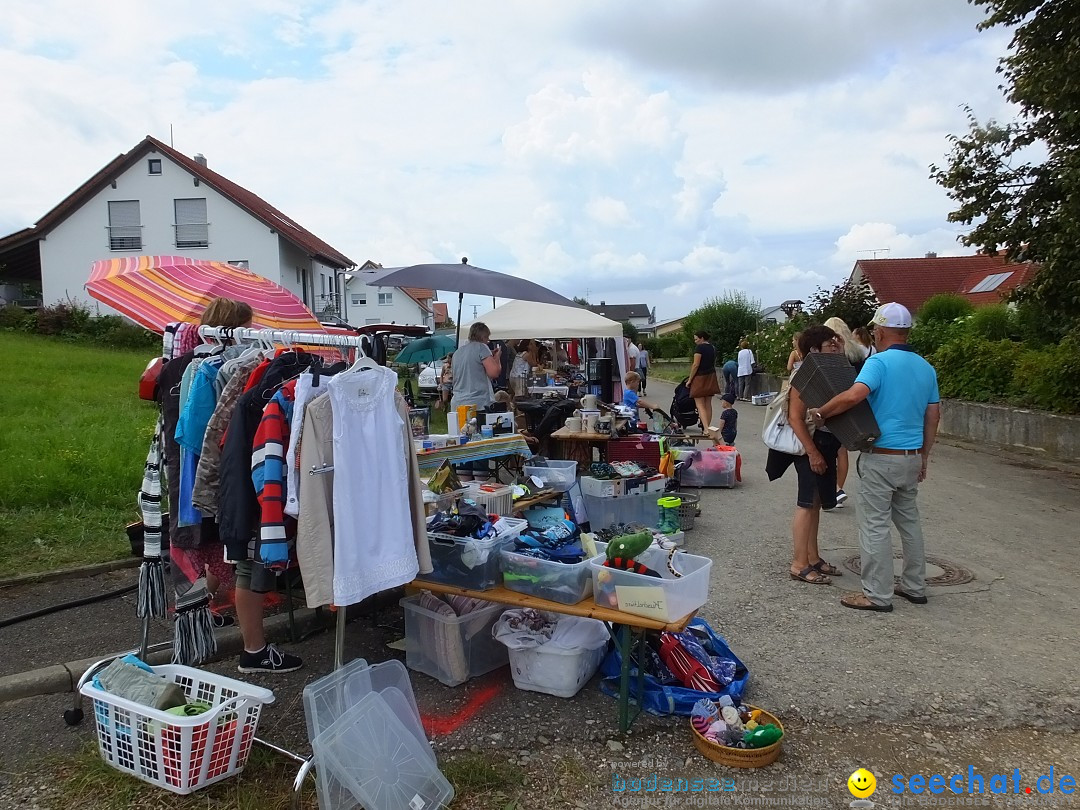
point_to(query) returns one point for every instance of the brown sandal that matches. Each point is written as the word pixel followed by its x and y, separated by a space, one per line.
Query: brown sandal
pixel 828 569
pixel 858 601
pixel 811 576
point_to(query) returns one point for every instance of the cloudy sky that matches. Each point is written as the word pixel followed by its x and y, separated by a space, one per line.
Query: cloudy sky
pixel 634 152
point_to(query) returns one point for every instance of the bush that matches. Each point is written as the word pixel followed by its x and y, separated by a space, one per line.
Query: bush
pixel 728 319
pixel 993 323
pixel 852 303
pixel 772 344
pixel 1049 378
pixel 976 369
pixel 929 336
pixel 945 307
pixel 13 317
pixel 64 317
pixel 673 346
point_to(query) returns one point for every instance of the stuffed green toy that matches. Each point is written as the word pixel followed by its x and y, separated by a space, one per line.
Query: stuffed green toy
pixel 762 736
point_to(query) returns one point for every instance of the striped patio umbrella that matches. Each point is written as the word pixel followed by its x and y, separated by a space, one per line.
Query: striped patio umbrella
pixel 157 290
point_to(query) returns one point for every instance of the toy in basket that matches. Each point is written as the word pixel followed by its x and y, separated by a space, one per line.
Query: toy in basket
pixel 742 736
pixel 184 749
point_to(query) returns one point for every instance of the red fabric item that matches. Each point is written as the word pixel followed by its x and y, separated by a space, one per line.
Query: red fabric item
pixel 572 353
pixel 684 666
pixel 738 460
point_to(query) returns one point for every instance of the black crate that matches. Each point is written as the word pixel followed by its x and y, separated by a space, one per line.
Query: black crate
pixel 820 378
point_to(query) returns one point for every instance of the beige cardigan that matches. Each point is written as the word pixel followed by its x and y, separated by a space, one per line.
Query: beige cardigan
pixel 315 524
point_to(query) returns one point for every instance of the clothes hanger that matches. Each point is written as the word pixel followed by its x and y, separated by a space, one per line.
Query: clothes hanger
pixel 363 363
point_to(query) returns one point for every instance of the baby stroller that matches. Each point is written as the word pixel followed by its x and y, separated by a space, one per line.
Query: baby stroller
pixel 683 409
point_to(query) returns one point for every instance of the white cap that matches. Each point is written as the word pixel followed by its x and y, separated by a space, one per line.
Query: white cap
pixel 892 316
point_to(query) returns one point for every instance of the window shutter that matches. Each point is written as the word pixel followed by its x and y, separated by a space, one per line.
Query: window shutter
pixel 191 227
pixel 123 213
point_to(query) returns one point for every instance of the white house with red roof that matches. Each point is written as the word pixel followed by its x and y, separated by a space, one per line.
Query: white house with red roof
pixel 982 279
pixel 154 200
pixel 413 306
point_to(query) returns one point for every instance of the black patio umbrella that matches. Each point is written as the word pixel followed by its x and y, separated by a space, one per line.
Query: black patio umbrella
pixel 463 278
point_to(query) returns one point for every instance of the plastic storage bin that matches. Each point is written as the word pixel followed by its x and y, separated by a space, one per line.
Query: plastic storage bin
pixel 559 475
pixel 378 761
pixel 451 649
pixel 559 582
pixel 554 671
pixel 709 468
pixel 624 509
pixel 181 753
pixel 667 599
pixel 470 563
pixel 498 500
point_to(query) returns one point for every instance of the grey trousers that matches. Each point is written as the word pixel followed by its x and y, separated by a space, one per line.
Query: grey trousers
pixel 888 486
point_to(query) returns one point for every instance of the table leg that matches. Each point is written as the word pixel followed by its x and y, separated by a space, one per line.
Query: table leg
pixel 625 646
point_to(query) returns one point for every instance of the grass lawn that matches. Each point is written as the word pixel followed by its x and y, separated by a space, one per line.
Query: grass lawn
pixel 72 448
pixel 671 370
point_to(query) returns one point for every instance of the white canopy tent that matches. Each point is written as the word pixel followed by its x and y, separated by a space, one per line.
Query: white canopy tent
pixel 521 320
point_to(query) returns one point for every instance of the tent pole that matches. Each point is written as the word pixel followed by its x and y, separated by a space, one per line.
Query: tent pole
pixel 457 340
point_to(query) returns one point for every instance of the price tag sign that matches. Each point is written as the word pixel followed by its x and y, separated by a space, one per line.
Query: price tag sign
pixel 643 600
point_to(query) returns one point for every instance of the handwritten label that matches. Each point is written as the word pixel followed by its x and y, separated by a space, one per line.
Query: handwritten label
pixel 643 600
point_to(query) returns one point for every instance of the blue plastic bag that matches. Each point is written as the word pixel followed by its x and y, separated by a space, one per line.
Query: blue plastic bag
pixel 661 699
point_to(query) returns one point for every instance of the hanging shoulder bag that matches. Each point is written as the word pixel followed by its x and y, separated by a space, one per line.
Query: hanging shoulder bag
pixel 777 433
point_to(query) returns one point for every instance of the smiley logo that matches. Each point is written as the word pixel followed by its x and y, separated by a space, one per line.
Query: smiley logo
pixel 862 784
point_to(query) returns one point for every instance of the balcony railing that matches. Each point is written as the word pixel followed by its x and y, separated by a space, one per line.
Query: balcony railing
pixel 195 235
pixel 125 237
pixel 328 304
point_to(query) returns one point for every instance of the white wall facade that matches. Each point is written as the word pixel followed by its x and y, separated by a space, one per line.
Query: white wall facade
pixel 234 235
pixel 401 310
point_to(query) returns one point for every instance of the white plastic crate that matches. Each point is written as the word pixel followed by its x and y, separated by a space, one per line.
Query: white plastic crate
pixel 471 563
pixel 451 649
pixel 559 475
pixel 554 671
pixel 180 753
pixel 668 599
pixel 496 499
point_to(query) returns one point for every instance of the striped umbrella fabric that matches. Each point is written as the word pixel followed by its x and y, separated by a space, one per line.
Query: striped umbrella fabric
pixel 157 290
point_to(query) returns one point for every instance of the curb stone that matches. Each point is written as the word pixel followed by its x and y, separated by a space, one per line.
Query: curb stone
pixel 60 678
pixel 71 573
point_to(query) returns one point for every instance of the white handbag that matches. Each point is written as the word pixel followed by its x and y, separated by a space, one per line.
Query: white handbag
pixel 777 432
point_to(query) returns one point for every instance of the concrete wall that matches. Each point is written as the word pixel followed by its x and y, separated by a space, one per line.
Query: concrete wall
pixel 1055 434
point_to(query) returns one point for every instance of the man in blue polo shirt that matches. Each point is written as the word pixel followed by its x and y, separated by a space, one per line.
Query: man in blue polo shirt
pixel 903 393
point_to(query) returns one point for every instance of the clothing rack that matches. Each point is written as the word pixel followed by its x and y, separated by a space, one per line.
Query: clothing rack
pixel 267 337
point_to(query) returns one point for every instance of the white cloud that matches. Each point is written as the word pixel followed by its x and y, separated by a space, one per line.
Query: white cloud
pixel 703 146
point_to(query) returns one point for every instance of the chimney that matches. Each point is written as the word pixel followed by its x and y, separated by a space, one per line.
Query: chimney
pixel 931 255
pixel 200 158
pixel 603 303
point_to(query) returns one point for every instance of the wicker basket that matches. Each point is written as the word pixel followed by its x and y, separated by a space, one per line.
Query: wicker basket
pixel 742 757
pixel 688 510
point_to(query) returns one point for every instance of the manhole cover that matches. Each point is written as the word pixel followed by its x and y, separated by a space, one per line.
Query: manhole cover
pixel 939 571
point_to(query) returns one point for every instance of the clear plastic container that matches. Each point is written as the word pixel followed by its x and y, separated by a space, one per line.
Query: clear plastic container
pixel 452 649
pixel 559 475
pixel 709 468
pixel 667 599
pixel 470 563
pixel 379 761
pixel 641 508
pixel 559 582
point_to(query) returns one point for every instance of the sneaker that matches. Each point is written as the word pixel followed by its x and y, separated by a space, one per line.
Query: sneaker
pixel 268 659
pixel 221 620
pixel 841 496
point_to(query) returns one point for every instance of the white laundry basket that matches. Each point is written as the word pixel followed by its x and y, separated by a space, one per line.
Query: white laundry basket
pixel 176 752
pixel 554 671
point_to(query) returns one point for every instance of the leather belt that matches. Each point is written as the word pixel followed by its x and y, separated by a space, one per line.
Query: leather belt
pixel 888 451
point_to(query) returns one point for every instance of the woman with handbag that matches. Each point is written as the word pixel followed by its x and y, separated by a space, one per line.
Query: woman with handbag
pixel 813 454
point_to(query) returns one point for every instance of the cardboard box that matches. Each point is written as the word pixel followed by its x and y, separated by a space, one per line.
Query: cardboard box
pixel 820 378
pixel 602 488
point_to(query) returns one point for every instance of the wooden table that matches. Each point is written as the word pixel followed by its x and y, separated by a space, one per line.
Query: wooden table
pixel 621 626
pixel 578 446
pixel 477 449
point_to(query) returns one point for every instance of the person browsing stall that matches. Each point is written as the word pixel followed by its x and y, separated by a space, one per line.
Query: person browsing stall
pixel 631 393
pixel 475 366
pixel 902 389
pixel 702 379
pixel 728 429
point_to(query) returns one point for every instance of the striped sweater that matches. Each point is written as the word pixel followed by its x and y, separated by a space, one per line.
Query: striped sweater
pixel 268 474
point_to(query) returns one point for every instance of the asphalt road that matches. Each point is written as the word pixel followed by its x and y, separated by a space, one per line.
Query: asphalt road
pixel 984 674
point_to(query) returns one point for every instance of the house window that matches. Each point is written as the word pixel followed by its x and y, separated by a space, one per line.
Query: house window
pixel 192 229
pixel 239 263
pixel 125 228
pixel 359 299
pixel 386 298
pixel 153 166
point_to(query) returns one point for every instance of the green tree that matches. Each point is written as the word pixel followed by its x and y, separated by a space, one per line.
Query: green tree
pixel 852 303
pixel 944 308
pixel 582 301
pixel 630 331
pixel 727 318
pixel 1019 183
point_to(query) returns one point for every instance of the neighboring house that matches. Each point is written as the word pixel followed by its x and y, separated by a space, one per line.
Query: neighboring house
pixel 982 278
pixel 412 306
pixel 670 327
pixel 154 200
pixel 637 314
pixel 774 314
pixel 442 314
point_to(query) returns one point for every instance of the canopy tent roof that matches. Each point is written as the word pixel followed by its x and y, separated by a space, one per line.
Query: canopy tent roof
pixel 519 320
